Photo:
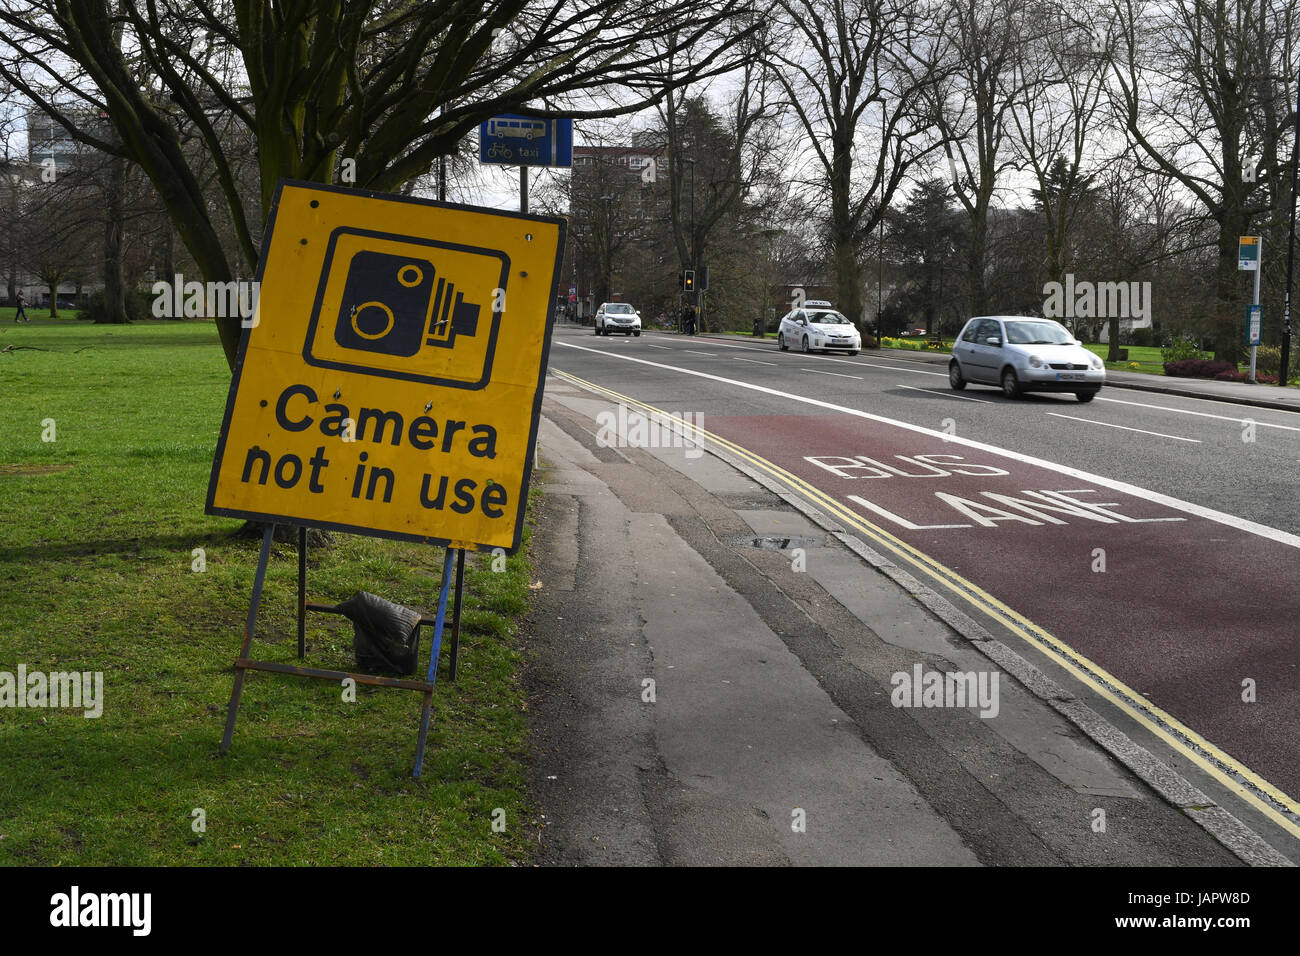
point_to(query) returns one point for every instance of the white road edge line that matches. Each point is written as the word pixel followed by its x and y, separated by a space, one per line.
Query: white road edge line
pixel 1177 504
pixel 1092 421
pixel 949 393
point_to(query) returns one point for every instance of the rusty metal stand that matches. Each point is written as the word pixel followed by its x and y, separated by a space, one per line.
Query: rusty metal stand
pixel 258 580
pixel 244 663
pixel 432 675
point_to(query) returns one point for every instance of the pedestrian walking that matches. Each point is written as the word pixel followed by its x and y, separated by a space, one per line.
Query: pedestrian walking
pixel 21 314
pixel 688 319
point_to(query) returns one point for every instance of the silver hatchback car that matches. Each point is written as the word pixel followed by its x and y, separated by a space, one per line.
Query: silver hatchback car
pixel 1024 354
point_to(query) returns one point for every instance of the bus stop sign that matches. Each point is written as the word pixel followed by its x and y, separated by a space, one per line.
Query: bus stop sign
pixel 1248 254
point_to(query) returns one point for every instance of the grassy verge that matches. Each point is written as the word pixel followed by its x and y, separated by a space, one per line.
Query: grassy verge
pixel 98 574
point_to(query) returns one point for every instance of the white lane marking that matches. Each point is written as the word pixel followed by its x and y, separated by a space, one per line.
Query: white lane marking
pixel 1155 497
pixel 836 374
pixel 949 394
pixel 1093 421
pixel 887 368
pixel 907 363
pixel 693 352
pixel 1188 411
pixel 737 358
pixel 664 347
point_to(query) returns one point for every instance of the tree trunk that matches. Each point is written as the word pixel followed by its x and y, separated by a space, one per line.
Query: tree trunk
pixel 975 262
pixel 1226 323
pixel 114 292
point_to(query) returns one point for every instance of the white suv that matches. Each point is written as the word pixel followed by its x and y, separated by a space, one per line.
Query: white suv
pixel 617 317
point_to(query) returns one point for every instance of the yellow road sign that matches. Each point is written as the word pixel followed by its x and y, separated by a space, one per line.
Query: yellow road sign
pixel 391 378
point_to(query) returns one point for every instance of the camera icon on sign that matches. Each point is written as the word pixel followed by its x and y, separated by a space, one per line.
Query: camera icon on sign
pixel 399 306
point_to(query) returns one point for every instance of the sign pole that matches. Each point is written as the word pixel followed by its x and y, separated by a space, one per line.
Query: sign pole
pixel 1284 368
pixel 523 188
pixel 1259 267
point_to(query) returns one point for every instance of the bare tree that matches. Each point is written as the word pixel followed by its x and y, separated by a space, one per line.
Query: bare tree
pixel 1059 116
pixel 718 161
pixel 388 86
pixel 1204 104
pixel 845 57
pixel 975 84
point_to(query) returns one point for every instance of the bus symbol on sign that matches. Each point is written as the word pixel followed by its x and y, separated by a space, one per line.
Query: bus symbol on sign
pixel 502 126
pixel 406 307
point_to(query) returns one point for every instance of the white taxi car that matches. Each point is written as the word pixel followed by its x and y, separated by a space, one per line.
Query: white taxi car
pixel 818 327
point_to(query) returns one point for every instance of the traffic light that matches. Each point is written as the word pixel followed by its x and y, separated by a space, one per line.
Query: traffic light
pixel 688 280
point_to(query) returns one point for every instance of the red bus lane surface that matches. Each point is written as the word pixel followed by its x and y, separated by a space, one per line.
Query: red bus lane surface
pixel 1187 612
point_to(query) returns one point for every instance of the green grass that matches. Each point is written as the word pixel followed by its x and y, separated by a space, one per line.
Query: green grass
pixel 96 575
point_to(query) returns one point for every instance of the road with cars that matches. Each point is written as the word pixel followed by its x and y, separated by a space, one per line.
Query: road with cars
pixel 1145 544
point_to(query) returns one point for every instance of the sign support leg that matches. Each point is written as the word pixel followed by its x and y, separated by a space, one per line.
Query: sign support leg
pixel 432 674
pixel 455 614
pixel 262 559
pixel 302 592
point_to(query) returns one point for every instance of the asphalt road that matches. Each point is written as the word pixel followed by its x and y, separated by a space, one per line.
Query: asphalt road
pixel 1200 451
pixel 1150 538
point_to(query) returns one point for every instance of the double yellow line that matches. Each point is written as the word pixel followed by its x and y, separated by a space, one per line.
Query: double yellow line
pixel 1258 792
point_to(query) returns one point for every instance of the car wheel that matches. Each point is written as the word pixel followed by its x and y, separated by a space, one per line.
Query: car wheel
pixel 1010 384
pixel 804 346
pixel 955 378
pixel 780 342
pixel 854 352
pixel 637 333
pixel 595 328
pixel 1085 396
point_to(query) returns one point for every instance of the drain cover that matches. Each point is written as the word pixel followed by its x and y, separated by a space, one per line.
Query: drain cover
pixel 778 542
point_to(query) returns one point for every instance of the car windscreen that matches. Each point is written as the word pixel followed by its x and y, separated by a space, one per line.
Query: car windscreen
pixel 1037 333
pixel 827 318
pixel 620 308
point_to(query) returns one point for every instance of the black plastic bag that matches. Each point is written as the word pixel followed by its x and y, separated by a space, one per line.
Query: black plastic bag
pixel 386 636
